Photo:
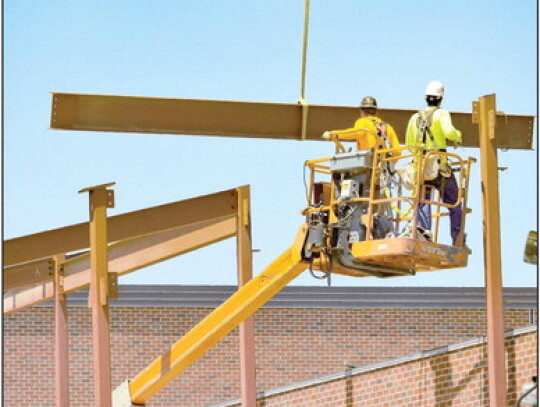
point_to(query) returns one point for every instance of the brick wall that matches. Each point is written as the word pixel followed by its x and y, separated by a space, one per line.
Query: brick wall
pixel 293 345
pixel 456 376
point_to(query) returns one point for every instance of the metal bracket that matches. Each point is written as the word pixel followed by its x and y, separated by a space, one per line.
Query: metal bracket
pixel 110 198
pixel 245 212
pixel 492 122
pixel 303 103
pixel 100 195
pixel 56 264
pixel 113 284
pixel 111 287
pixel 121 396
pixel 61 279
pixel 475 109
pixel 51 265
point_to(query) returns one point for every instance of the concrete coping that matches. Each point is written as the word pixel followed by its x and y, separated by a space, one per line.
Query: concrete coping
pixel 384 364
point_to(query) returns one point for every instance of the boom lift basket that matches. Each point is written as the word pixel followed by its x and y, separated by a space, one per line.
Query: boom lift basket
pixel 358 218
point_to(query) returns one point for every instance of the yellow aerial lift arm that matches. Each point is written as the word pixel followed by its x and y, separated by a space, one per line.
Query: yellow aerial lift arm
pixel 345 232
pixel 246 301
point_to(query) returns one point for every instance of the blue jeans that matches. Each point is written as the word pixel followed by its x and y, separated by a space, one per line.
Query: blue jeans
pixel 448 187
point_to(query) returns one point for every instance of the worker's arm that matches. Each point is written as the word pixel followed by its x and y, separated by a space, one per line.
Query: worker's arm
pixel 448 129
pixel 346 134
pixel 352 133
pixel 362 128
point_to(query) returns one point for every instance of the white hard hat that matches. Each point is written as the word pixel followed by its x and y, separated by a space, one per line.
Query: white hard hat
pixel 435 88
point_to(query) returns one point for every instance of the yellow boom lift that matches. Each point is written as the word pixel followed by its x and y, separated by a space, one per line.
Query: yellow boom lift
pixel 354 226
pixel 360 221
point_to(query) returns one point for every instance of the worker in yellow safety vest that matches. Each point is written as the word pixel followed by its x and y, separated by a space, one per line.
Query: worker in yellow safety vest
pixel 430 128
pixel 367 130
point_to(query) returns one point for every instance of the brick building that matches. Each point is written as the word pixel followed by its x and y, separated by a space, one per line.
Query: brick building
pixel 304 336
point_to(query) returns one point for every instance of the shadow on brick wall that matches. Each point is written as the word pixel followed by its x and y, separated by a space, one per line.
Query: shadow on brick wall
pixel 511 390
pixel 445 388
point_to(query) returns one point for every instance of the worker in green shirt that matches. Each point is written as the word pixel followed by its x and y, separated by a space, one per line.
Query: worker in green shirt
pixel 430 128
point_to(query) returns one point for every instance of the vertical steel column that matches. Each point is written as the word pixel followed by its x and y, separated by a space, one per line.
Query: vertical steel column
pixel 486 115
pixel 61 343
pixel 100 199
pixel 245 273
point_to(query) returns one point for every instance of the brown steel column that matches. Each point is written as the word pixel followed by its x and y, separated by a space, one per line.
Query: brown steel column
pixel 245 273
pixel 100 199
pixel 61 343
pixel 492 252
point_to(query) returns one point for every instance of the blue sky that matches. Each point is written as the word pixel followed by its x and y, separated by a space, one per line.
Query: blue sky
pixel 246 50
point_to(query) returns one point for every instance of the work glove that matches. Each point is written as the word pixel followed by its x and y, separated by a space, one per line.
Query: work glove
pixel 327 135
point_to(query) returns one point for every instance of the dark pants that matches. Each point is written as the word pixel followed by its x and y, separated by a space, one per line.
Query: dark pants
pixel 448 188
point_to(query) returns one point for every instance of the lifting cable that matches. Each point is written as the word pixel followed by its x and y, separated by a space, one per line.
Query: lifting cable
pixel 302 101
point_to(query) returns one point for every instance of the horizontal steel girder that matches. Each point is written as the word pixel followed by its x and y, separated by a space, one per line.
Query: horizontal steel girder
pixel 124 257
pixel 248 119
pixel 120 227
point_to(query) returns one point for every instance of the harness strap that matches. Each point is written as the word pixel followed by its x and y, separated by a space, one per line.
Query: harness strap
pixel 382 132
pixel 382 128
pixel 427 117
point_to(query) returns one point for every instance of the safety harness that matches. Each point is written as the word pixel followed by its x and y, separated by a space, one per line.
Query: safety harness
pixel 423 123
pixel 382 132
pixel 388 172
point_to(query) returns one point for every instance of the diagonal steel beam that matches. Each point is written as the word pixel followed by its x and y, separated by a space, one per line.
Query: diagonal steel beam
pixel 125 257
pixel 247 119
pixel 125 226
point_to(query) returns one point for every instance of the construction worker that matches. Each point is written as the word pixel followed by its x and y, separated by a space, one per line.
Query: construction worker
pixel 367 128
pixel 430 128
pixel 370 132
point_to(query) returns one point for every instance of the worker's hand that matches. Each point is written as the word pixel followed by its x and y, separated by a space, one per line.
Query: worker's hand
pixel 327 135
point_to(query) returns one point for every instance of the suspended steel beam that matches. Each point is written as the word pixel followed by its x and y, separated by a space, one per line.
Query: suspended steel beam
pixel 120 227
pixel 247 119
pixel 125 257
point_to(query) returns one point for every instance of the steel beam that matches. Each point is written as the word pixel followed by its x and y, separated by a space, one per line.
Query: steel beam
pixel 25 274
pixel 492 251
pixel 100 198
pixel 248 383
pixel 247 119
pixel 61 342
pixel 125 226
pixel 125 257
